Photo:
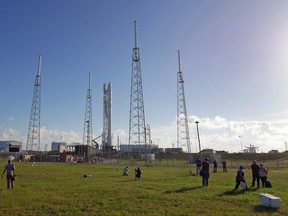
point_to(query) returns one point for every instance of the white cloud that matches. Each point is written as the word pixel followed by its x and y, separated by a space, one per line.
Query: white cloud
pixel 10 134
pixel 47 136
pixel 12 118
pixel 217 133
pixel 222 134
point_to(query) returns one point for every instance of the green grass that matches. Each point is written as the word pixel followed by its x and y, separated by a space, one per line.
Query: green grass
pixel 60 189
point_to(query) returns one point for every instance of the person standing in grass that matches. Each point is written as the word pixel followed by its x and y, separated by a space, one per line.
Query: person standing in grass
pixel 9 169
pixel 198 166
pixel 240 177
pixel 224 166
pixel 263 172
pixel 215 166
pixel 205 172
pixel 255 174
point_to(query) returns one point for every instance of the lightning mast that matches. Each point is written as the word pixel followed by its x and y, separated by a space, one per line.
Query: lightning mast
pixel 33 138
pixel 137 117
pixel 183 138
pixel 87 133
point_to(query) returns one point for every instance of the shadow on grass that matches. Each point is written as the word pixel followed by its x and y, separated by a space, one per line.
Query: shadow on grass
pixel 182 190
pixel 263 209
pixel 129 180
pixel 237 192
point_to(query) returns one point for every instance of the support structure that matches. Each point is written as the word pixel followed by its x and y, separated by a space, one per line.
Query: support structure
pixel 87 133
pixel 107 117
pixel 33 138
pixel 137 117
pixel 183 138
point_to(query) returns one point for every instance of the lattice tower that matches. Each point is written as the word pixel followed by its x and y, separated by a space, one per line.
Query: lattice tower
pixel 33 138
pixel 137 116
pixel 148 134
pixel 87 133
pixel 183 138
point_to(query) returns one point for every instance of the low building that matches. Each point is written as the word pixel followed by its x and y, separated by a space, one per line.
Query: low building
pixel 208 151
pixel 10 146
pixel 173 150
pixel 136 148
pixel 273 152
pixel 148 157
pixel 58 146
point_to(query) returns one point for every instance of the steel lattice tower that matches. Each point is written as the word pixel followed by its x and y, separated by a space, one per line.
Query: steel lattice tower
pixel 183 138
pixel 137 116
pixel 87 133
pixel 33 139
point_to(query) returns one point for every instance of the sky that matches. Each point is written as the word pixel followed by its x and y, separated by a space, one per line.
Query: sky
pixel 234 64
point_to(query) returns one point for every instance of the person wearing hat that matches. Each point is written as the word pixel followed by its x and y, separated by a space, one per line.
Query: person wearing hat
pixel 205 172
pixel 240 177
pixel 9 169
pixel 255 173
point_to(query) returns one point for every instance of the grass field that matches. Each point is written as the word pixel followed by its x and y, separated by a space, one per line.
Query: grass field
pixel 60 189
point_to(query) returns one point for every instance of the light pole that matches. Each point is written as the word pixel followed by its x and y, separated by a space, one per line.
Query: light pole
pixel 197 122
pixel 195 138
pixel 241 143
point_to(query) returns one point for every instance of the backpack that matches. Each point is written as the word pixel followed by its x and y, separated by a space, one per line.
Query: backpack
pixel 268 184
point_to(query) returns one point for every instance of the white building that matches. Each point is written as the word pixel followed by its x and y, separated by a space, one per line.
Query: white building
pixel 10 146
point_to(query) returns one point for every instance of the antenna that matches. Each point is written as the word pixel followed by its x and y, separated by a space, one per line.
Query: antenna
pixel 90 74
pixel 136 34
pixel 39 64
pixel 179 61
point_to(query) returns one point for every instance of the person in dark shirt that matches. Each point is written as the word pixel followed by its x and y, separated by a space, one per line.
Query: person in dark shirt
pixel 10 175
pixel 224 166
pixel 255 173
pixel 138 173
pixel 240 177
pixel 198 166
pixel 215 166
pixel 205 172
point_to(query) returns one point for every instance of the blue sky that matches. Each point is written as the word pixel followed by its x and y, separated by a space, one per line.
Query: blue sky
pixel 234 61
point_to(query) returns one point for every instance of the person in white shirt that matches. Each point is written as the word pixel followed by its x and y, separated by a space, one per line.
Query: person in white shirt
pixel 263 172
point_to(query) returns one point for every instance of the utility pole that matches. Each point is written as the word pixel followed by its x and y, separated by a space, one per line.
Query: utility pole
pixel 33 138
pixel 241 143
pixel 197 122
pixel 183 137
